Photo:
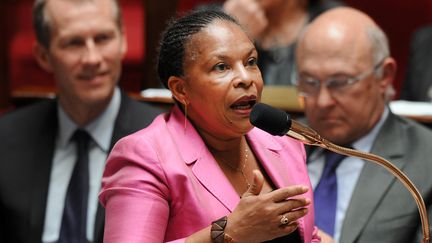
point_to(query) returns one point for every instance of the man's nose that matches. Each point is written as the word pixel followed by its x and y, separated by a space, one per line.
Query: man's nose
pixel 324 97
pixel 91 55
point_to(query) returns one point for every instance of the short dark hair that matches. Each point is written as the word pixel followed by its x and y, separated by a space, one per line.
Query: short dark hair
pixel 41 22
pixel 177 34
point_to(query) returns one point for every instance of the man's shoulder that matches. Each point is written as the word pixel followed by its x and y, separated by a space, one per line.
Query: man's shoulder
pixel 135 115
pixel 131 105
pixel 28 115
pixel 424 34
pixel 414 128
pixel 27 127
pixel 421 43
pixel 401 136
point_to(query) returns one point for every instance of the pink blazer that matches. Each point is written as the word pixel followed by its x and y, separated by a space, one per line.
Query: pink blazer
pixel 162 184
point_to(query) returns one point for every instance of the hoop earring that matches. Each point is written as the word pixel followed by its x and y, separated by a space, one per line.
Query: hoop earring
pixel 185 119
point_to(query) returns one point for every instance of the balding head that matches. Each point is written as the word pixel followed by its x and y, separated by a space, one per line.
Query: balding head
pixel 346 52
pixel 345 31
pixel 343 18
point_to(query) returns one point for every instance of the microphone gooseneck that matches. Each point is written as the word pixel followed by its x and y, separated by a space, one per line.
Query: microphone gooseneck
pixel 278 122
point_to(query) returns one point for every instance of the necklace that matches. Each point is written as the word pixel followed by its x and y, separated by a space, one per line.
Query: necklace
pixel 240 168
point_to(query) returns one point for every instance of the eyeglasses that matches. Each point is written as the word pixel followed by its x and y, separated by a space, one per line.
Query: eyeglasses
pixel 310 87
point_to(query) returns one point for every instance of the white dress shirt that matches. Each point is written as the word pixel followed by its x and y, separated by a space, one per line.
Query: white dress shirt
pixel 65 156
pixel 347 172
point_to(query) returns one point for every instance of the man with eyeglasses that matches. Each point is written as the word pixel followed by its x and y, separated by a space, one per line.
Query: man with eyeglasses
pixel 345 74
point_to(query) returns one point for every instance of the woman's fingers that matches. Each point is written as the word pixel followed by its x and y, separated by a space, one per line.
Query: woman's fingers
pixel 292 204
pixel 294 215
pixel 256 186
pixel 267 216
pixel 283 194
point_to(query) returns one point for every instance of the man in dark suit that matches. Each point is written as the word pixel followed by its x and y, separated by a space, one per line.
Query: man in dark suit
pixel 345 75
pixel 418 82
pixel 82 43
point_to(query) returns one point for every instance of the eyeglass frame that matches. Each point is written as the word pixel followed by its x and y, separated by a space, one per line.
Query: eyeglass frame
pixel 328 82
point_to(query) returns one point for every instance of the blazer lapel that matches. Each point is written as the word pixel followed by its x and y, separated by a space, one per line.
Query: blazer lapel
pixel 210 175
pixel 268 155
pixel 126 123
pixel 217 183
pixel 374 181
pixel 195 153
pixel 121 129
pixel 278 171
pixel 42 161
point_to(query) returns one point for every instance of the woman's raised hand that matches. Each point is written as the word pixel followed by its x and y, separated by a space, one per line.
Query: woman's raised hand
pixel 261 217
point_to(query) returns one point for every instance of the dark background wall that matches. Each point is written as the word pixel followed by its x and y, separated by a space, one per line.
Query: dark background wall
pixel 145 19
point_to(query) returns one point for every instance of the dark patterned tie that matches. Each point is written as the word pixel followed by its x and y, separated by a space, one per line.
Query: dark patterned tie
pixel 74 222
pixel 325 193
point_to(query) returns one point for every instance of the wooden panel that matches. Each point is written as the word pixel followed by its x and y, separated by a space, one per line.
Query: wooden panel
pixel 157 15
pixel 4 84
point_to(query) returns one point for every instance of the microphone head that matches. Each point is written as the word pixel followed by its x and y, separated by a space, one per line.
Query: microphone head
pixel 272 120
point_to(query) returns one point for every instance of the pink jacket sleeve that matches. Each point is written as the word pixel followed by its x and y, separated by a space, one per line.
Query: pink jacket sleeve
pixel 134 194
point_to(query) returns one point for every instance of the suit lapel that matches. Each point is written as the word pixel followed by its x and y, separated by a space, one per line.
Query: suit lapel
pixel 215 182
pixel 374 181
pixel 42 162
pixel 127 122
pixel 268 155
pixel 195 154
pixel 279 172
pixel 121 129
pixel 121 126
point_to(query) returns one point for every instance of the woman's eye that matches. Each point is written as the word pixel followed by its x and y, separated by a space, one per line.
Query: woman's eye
pixel 252 61
pixel 220 67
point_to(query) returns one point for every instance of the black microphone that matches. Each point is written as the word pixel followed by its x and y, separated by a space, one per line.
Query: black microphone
pixel 269 119
pixel 279 123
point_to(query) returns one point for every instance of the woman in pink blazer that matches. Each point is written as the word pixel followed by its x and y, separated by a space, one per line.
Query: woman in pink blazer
pixel 202 173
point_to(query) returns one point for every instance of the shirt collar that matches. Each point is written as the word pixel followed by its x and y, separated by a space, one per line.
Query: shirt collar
pixel 365 143
pixel 100 129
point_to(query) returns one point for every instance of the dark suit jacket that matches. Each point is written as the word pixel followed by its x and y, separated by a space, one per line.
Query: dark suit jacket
pixel 27 140
pixel 418 83
pixel 381 208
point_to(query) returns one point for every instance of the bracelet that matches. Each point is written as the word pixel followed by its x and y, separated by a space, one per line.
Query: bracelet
pixel 217 231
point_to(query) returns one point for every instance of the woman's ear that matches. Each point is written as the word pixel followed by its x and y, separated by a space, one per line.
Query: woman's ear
pixel 178 89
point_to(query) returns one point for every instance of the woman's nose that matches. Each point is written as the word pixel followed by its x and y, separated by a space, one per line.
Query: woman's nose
pixel 243 77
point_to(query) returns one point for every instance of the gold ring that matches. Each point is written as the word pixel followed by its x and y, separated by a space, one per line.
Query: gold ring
pixel 284 220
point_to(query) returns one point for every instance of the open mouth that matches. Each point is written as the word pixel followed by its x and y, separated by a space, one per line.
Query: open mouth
pixel 244 103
